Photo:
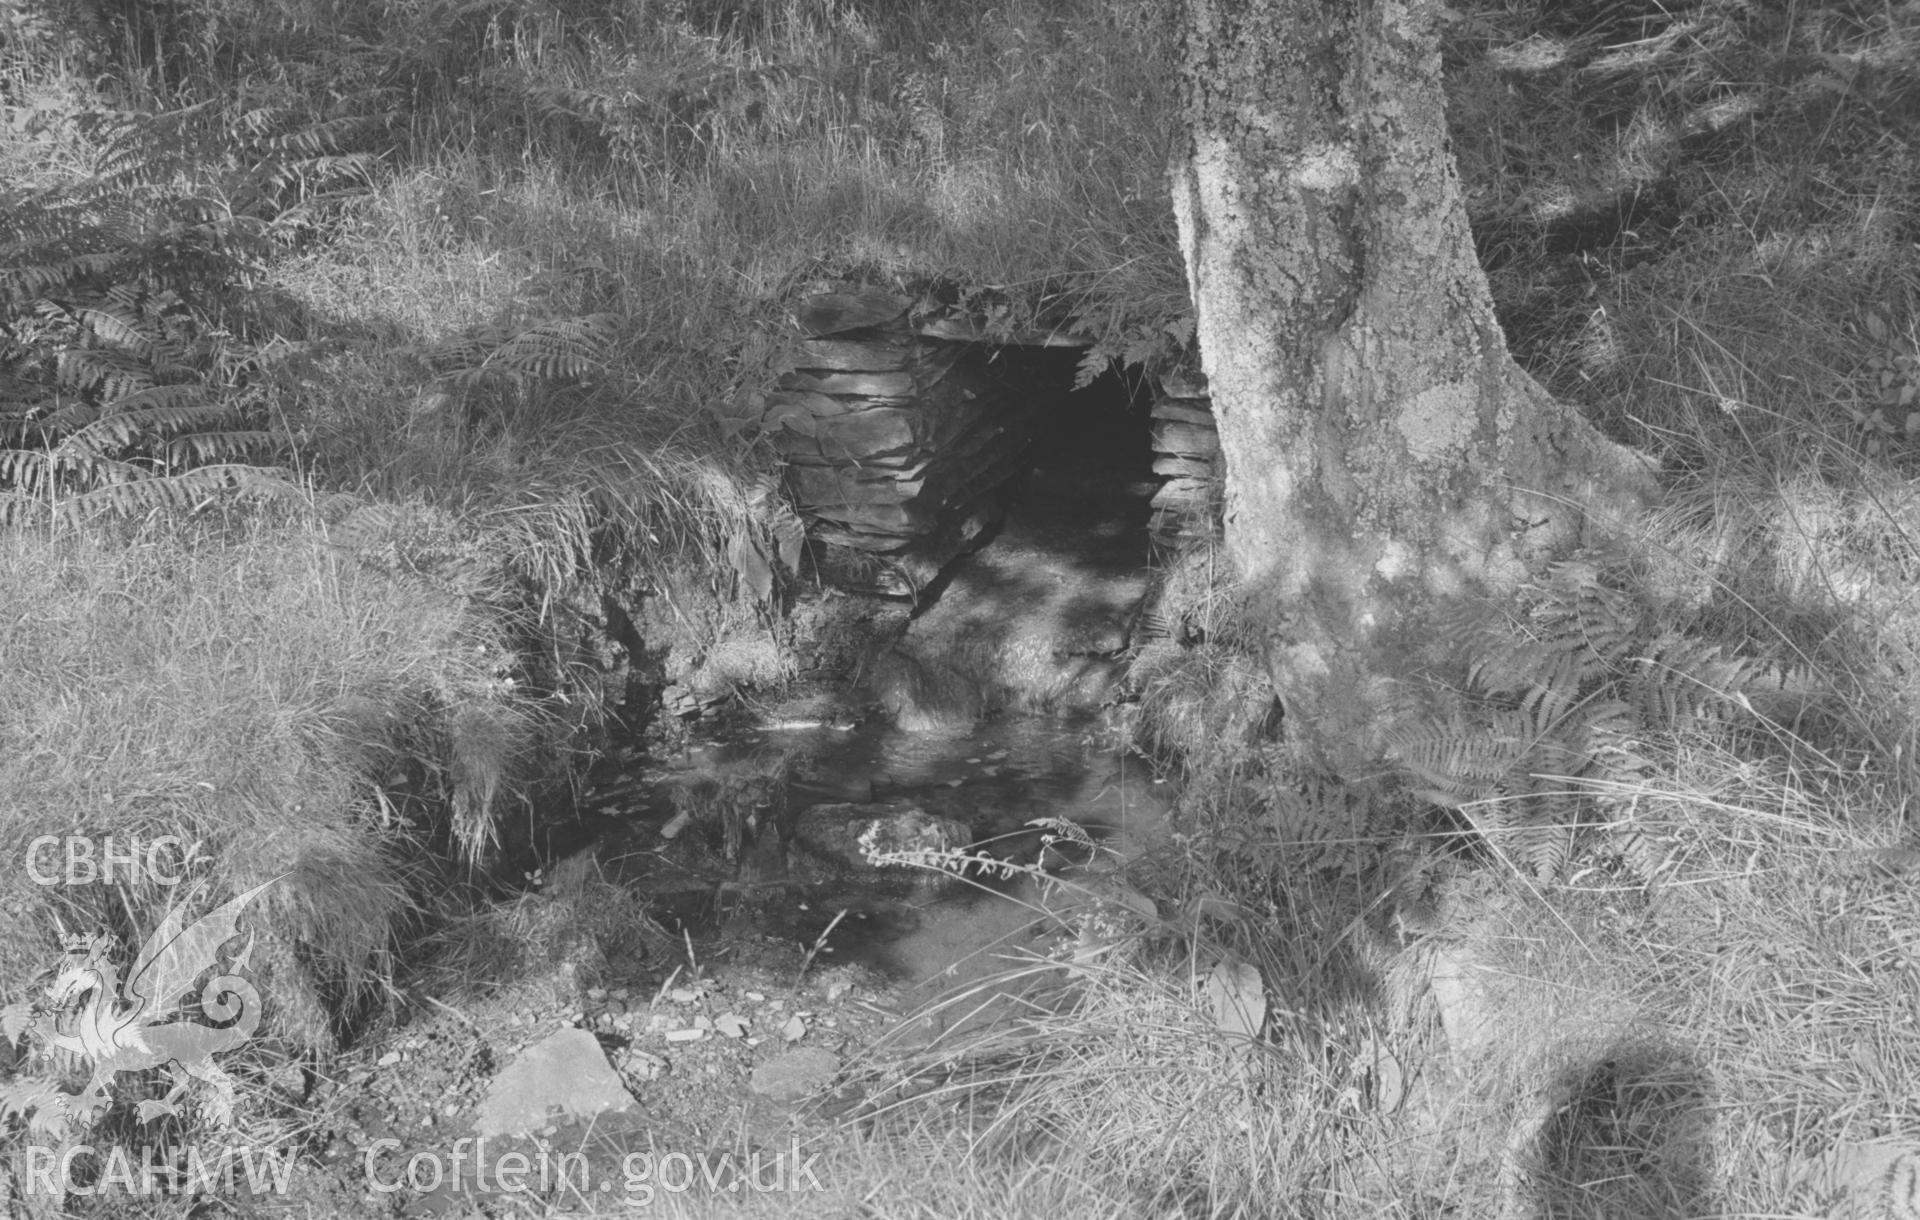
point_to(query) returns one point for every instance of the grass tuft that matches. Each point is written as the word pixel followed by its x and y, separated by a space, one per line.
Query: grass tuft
pixel 257 693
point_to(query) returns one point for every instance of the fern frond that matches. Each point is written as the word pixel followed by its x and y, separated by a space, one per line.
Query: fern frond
pixel 1505 663
pixel 219 446
pixel 1565 678
pixel 122 328
pixel 319 137
pixel 302 174
pixel 1541 849
pixel 112 359
pixel 21 284
pixel 122 426
pixel 555 350
pixel 1677 680
pixel 462 352
pixel 567 348
pixel 19 510
pixel 26 472
pixel 40 221
pixel 1093 362
pixel 1317 823
pixel 139 149
pixel 161 401
pixel 176 492
pixel 116 374
pixel 1560 702
pixel 1464 757
pixel 29 410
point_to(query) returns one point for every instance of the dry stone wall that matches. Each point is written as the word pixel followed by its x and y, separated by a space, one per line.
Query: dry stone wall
pixel 1186 454
pixel 899 434
pixel 900 430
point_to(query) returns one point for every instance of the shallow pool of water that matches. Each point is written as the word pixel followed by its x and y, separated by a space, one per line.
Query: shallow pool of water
pixel 996 778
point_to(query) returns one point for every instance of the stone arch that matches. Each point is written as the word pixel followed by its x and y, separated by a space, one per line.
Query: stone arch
pixel 899 430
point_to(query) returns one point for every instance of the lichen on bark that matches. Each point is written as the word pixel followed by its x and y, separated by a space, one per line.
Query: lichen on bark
pixel 1382 448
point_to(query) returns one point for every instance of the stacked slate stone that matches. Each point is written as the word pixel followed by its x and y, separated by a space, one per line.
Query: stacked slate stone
pixel 898 442
pixel 1186 453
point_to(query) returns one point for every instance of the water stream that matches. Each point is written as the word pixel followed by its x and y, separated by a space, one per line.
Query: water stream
pixel 1010 665
pixel 996 779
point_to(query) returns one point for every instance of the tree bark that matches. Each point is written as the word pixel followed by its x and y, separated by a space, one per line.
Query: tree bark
pixel 1383 451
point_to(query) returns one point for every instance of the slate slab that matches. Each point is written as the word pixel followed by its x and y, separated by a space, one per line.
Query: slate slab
pixel 565 1072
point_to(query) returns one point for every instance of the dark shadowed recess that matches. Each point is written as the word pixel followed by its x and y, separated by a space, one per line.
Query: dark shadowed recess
pixel 1089 470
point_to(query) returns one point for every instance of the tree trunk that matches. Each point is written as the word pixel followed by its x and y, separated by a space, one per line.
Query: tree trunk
pixel 1383 451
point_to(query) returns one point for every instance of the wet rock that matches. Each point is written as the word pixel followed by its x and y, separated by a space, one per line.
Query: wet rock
pixel 566 1071
pixel 923 697
pixel 945 684
pixel 845 837
pixel 794 1074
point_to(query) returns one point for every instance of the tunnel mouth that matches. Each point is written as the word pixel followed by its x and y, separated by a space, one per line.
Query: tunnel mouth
pixel 905 437
pixel 1037 618
pixel 1092 447
pixel 1082 496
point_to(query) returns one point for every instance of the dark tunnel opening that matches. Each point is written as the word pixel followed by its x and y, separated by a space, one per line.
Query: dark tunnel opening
pixel 1090 464
pixel 1083 498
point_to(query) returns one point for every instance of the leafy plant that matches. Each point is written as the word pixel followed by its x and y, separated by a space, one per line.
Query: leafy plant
pixel 1316 823
pixel 771 531
pixel 121 386
pixel 1136 341
pixel 523 360
pixel 1889 410
pixel 1561 701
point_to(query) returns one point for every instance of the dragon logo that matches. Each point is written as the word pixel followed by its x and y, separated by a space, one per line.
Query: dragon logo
pixel 91 1016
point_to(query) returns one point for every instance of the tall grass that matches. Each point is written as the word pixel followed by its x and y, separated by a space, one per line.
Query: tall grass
pixel 690 176
pixel 685 169
pixel 263 696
